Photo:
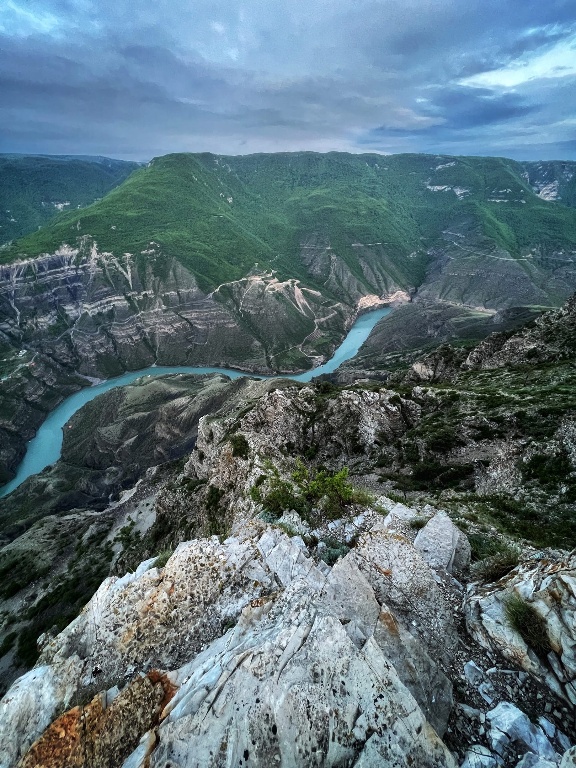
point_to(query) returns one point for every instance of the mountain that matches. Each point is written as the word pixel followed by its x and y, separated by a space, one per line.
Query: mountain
pixel 219 216
pixel 35 188
pixel 262 262
pixel 371 574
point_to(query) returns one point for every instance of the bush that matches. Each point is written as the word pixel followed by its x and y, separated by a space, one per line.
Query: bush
pixel 495 567
pixel 162 558
pixel 528 623
pixel 309 488
pixel 334 551
pixel 240 446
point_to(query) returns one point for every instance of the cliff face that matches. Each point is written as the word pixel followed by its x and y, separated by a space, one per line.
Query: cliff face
pixel 84 312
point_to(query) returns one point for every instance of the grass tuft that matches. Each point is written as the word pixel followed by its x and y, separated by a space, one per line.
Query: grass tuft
pixel 528 623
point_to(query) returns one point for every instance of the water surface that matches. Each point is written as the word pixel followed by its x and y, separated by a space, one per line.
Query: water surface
pixel 45 447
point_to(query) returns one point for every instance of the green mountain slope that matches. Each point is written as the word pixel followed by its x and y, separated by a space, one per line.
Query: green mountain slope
pixel 220 216
pixel 34 189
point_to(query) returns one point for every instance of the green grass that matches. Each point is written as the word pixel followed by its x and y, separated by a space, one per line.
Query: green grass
pixel 528 623
pixel 162 558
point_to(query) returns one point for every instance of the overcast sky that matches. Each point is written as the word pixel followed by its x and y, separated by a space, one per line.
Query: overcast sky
pixel 139 78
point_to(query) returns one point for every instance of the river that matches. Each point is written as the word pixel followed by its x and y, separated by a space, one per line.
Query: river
pixel 45 447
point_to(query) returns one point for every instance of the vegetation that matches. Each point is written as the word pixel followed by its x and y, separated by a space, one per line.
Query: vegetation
pixel 33 189
pixel 162 558
pixel 492 558
pixel 240 446
pixel 528 623
pixel 313 493
pixel 219 215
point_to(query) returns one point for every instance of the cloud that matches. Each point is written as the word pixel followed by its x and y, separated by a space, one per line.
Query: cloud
pixel 137 78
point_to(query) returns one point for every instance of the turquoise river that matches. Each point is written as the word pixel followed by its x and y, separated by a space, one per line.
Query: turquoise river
pixel 45 447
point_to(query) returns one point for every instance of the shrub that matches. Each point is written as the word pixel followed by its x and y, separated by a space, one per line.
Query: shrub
pixel 492 557
pixel 417 523
pixel 162 558
pixel 240 446
pixel 528 623
pixel 308 488
pixel 334 551
pixel 497 566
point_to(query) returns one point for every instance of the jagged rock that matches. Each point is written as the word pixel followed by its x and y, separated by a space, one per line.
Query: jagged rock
pixel 292 688
pixel 403 580
pixel 509 725
pixel 101 735
pixel 443 545
pixel 549 587
pixel 317 667
pixel 31 704
pixel 399 516
pixel 530 760
pixel 285 420
pixel 479 756
pixel 473 673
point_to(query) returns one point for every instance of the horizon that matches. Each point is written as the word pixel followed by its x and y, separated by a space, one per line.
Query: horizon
pixel 80 156
pixel 133 81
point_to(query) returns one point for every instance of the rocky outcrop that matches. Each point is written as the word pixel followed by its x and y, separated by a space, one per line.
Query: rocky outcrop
pixel 322 664
pixel 542 640
pixel 103 732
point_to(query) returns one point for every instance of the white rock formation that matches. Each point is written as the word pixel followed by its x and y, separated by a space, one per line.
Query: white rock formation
pixel 323 666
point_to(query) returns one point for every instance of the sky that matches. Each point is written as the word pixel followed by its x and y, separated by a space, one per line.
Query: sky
pixel 139 78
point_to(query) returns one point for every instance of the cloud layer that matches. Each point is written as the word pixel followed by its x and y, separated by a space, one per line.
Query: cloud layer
pixel 138 78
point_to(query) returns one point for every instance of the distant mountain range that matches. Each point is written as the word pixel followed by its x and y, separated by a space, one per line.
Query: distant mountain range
pixel 333 219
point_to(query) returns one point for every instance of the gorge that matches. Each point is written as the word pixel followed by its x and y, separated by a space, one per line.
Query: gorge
pixel 258 544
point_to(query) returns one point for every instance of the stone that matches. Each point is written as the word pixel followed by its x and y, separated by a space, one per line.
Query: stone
pixel 569 758
pixel 31 703
pixel 443 545
pixel 509 725
pixel 268 655
pixel 473 673
pixel 530 760
pixel 479 756
pixel 99 735
pixel 288 685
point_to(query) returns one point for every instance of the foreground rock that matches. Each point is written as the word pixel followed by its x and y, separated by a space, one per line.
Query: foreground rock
pixel 323 666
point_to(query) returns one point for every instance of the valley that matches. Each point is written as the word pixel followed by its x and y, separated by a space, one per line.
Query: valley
pixel 261 263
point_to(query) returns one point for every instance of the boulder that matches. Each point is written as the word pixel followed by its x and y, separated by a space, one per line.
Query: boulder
pixel 509 725
pixel 443 545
